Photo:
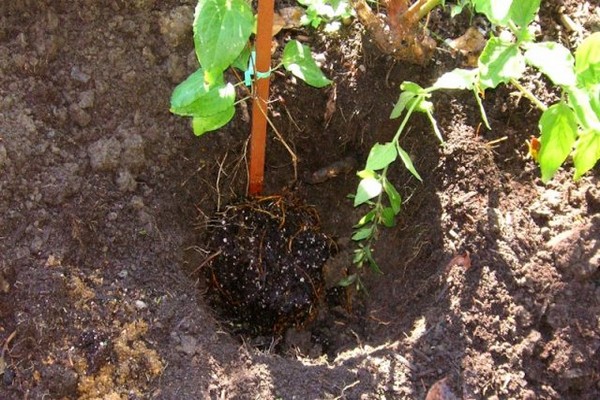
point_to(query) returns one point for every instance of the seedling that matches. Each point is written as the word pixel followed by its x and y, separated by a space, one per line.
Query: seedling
pixel 222 30
pixel 267 253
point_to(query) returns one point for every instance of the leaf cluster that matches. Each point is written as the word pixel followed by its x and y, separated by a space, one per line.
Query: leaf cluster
pixel 330 12
pixel 571 127
pixel 222 31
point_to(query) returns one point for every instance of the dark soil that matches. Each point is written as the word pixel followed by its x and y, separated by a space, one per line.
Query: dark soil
pixel 491 279
pixel 265 268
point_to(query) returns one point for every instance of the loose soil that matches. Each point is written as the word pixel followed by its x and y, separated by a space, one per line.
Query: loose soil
pixel 491 286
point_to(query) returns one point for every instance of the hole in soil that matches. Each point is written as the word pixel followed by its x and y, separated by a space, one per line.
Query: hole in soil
pixel 545 328
pixel 265 269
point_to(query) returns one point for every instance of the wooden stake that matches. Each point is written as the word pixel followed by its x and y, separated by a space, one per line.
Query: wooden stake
pixel 264 35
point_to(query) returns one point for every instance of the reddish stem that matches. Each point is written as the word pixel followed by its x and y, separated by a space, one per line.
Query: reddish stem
pixel 259 104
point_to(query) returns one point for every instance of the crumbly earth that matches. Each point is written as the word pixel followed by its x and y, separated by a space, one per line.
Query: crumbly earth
pixel 490 281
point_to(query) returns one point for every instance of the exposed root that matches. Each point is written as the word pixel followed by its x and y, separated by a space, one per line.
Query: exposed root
pixel 400 37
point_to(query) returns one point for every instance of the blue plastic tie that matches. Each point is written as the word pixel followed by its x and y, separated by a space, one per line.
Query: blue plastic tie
pixel 250 71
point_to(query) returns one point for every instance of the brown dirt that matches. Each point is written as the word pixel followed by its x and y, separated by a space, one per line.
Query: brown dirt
pixel 491 278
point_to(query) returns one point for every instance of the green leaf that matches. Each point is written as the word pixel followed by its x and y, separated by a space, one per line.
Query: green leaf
pixel 221 30
pixel 359 255
pixel 497 11
pixel 367 173
pixel 298 60
pixel 554 60
pixel 380 156
pixel 408 86
pixel 434 125
pixel 342 9
pixel 457 79
pixel 241 62
pixel 201 125
pixel 423 105
pixel 213 77
pixel 524 36
pixel 217 99
pixel 559 131
pixel 456 9
pixel 393 196
pixel 403 100
pixel 522 12
pixel 371 261
pixel 499 63
pixel 347 280
pixel 188 91
pixel 587 114
pixel 316 22
pixel 367 189
pixel 408 162
pixel 388 217
pixel 586 153
pixel 368 217
pixel 594 92
pixel 362 233
pixel 587 60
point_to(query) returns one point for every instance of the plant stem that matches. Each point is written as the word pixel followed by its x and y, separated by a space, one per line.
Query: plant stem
pixel 419 10
pixel 513 28
pixel 529 95
pixel 404 122
pixel 259 105
pixel 241 100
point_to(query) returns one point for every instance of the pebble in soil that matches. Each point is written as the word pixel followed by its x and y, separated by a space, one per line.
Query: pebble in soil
pixel 265 271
